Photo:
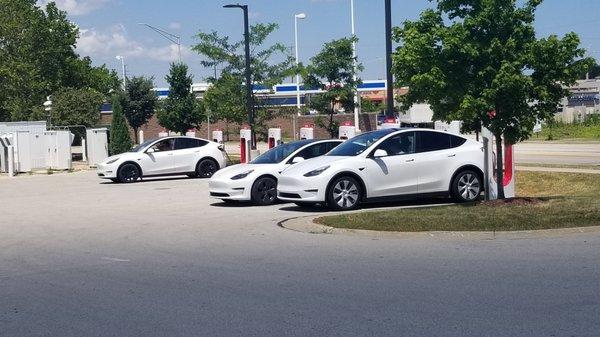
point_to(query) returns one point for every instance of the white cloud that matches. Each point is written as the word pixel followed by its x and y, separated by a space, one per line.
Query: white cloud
pixel 115 41
pixel 77 7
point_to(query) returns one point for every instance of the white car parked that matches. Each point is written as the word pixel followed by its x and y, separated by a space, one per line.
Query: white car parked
pixel 257 181
pixel 190 156
pixel 387 163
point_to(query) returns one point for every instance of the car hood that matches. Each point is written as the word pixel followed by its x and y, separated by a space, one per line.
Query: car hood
pixel 312 164
pixel 230 171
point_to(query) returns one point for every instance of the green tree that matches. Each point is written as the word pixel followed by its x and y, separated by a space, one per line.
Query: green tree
pixel 139 102
pixel 37 49
pixel 120 140
pixel 269 65
pixel 76 107
pixel 180 111
pixel 469 58
pixel 332 70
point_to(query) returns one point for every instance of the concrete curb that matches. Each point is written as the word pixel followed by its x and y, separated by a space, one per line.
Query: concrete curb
pixel 307 225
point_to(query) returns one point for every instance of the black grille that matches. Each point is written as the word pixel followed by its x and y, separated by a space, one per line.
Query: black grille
pixel 289 195
pixel 216 194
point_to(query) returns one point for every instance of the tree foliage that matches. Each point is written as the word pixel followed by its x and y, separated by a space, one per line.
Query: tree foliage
pixel 76 107
pixel 180 111
pixel 120 140
pixel 138 102
pixel 37 59
pixel 467 58
pixel 332 70
pixel 269 66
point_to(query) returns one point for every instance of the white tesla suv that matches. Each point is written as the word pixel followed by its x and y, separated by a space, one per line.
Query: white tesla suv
pixel 257 181
pixel 190 156
pixel 387 163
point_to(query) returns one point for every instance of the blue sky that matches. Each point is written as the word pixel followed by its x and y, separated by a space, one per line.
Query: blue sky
pixel 110 28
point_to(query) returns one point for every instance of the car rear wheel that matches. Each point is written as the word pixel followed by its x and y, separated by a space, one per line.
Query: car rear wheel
pixel 206 168
pixel 264 191
pixel 344 194
pixel 466 186
pixel 128 173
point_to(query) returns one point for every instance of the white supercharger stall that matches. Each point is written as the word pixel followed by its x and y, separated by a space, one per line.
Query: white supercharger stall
pixel 97 145
pixel 491 174
pixel 452 127
pixel 58 149
pixel 389 123
pixel 274 137
pixel 163 134
pixel 346 131
pixel 191 133
pixel 307 132
pixel 245 145
pixel 217 136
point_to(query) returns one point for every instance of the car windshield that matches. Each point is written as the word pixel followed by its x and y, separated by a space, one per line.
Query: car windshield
pixel 142 146
pixel 358 144
pixel 279 153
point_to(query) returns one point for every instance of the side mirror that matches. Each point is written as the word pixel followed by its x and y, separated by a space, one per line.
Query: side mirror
pixel 150 150
pixel 297 160
pixel 380 153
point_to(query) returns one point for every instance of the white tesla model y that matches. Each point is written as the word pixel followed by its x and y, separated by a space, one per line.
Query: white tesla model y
pixel 190 156
pixel 387 163
pixel 257 181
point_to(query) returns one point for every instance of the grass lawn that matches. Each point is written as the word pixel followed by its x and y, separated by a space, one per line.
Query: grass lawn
pixel 575 166
pixel 568 200
pixel 569 131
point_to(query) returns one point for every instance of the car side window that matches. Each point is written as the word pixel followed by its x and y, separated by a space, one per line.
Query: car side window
pixel 163 145
pixel 432 141
pixel 331 146
pixel 456 141
pixel 403 143
pixel 313 151
pixel 188 143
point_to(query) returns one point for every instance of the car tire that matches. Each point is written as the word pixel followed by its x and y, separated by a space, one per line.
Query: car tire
pixel 466 186
pixel 206 168
pixel 344 194
pixel 128 173
pixel 264 191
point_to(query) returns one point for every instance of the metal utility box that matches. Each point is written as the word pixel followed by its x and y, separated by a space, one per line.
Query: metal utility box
pixel 307 132
pixel 5 142
pixel 97 145
pixel 58 149
pixel 274 138
pixel 452 127
pixel 418 113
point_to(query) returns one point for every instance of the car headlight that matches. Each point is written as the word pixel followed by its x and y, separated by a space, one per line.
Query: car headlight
pixel 241 175
pixel 112 161
pixel 316 172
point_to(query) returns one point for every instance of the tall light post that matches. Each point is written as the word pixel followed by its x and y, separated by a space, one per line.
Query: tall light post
pixel 356 98
pixel 388 59
pixel 299 16
pixel 171 37
pixel 249 103
pixel 122 59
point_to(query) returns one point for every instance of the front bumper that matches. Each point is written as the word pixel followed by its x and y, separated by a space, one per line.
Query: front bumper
pixel 106 171
pixel 230 189
pixel 306 189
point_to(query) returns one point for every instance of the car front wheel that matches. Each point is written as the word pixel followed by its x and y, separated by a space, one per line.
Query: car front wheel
pixel 264 191
pixel 128 173
pixel 466 186
pixel 344 194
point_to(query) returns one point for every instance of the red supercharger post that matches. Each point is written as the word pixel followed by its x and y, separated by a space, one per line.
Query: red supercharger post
pixel 347 130
pixel 274 137
pixel 389 123
pixel 245 144
pixel 490 161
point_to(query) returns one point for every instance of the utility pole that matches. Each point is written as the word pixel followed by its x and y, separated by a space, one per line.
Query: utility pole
pixel 388 59
pixel 356 97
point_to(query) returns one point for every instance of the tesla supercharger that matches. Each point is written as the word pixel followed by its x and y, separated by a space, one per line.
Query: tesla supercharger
pixel 217 136
pixel 307 132
pixel 509 167
pixel 163 133
pixel 389 123
pixel 274 138
pixel 191 133
pixel 346 131
pixel 96 145
pixel 245 145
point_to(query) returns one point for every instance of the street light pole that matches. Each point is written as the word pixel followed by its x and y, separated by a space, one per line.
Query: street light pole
pixel 119 57
pixel 249 103
pixel 296 17
pixel 356 98
pixel 171 37
pixel 388 59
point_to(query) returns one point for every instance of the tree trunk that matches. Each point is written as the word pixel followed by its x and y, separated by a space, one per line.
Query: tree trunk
pixel 331 130
pixel 135 135
pixel 499 166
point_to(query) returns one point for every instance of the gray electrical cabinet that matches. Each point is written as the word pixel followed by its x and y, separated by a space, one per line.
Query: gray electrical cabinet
pixel 58 149
pixel 96 141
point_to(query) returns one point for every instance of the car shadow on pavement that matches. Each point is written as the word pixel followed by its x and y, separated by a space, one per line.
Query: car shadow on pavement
pixel 151 180
pixel 424 202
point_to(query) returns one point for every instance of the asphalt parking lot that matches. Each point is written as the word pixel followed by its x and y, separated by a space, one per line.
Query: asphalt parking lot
pixel 81 257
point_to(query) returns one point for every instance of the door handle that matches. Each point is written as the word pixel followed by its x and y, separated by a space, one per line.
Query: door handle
pixel 410 160
pixel 452 155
